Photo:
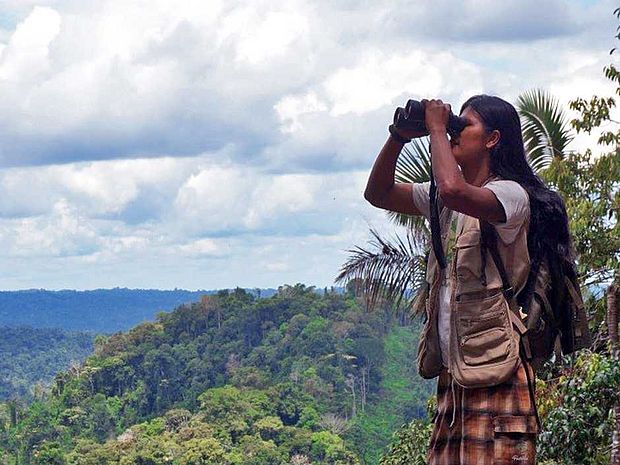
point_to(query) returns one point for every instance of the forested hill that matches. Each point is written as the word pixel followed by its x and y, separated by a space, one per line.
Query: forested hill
pixel 30 357
pixel 300 377
pixel 100 310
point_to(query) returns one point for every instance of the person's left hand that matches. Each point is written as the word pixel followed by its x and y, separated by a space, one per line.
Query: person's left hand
pixel 436 114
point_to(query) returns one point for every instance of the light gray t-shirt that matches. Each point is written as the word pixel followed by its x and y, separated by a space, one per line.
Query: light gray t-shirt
pixel 516 205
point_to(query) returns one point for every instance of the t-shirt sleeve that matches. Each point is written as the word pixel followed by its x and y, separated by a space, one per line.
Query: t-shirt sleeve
pixel 420 197
pixel 516 205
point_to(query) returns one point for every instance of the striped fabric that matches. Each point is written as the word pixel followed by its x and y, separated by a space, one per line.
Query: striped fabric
pixel 484 426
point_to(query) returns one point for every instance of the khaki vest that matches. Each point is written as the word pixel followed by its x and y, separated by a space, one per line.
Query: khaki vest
pixel 484 326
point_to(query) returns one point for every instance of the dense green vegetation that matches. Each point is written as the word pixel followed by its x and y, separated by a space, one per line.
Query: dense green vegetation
pixel 29 358
pixel 404 395
pixel 300 377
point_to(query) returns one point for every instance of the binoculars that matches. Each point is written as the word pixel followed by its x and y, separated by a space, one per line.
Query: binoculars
pixel 412 118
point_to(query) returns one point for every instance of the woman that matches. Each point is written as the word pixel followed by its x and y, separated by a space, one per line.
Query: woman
pixel 482 177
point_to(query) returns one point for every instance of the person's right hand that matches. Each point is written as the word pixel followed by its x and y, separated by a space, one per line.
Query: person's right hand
pixel 436 114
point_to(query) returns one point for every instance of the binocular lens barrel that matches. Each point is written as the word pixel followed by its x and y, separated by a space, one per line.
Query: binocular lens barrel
pixel 412 117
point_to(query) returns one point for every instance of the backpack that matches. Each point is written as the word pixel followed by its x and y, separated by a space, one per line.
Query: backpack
pixel 551 303
pixel 556 317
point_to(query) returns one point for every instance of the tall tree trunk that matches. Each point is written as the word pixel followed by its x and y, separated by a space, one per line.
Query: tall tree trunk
pixel 350 382
pixel 612 316
pixel 612 326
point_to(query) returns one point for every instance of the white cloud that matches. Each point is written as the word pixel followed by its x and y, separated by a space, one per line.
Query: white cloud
pixel 282 195
pixel 237 199
pixel 213 199
pixel 26 56
pixel 263 36
pixel 94 188
pixel 203 248
pixel 291 107
pixel 60 233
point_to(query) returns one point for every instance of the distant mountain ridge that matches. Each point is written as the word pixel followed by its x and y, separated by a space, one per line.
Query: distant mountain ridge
pixel 98 310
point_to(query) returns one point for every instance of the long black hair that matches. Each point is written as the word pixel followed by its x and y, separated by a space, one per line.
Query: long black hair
pixel 548 232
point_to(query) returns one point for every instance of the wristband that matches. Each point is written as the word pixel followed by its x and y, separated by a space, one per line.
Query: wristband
pixel 396 136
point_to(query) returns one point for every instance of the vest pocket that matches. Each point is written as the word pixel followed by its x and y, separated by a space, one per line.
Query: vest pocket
pixel 485 347
pixel 429 353
pixel 468 250
pixel 483 330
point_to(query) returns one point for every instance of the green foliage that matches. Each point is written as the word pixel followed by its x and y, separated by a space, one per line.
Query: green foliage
pixel 292 401
pixel 577 402
pixel 329 448
pixel 577 411
pixel 410 444
pixel 591 192
pixel 269 427
pixel 233 409
pixel 152 428
pixel 595 112
pixel 595 189
pixel 402 396
pixel 309 418
pixel 206 451
pixel 49 453
pixel 29 358
pixel 254 451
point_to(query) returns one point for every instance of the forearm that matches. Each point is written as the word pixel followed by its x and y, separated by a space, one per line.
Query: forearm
pixel 381 178
pixel 448 177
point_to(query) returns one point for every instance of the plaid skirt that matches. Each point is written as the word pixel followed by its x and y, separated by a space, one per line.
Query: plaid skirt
pixel 484 426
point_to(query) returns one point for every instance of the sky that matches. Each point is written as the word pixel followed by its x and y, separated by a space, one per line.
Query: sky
pixel 208 144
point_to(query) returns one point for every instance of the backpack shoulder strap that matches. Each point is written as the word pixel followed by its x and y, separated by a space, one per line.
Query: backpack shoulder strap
pixel 489 237
pixel 435 208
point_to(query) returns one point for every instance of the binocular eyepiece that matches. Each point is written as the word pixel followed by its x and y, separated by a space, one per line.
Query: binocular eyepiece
pixel 412 118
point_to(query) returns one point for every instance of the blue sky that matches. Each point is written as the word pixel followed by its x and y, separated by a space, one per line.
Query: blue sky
pixel 217 144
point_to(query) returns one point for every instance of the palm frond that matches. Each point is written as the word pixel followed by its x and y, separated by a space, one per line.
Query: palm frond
pixel 392 269
pixel 545 130
pixel 414 162
pixel 414 166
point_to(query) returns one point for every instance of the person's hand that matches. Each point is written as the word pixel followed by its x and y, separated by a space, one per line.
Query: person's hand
pixel 436 115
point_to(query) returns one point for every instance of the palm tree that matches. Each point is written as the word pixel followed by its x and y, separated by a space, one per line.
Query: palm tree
pixel 394 268
pixel 545 131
